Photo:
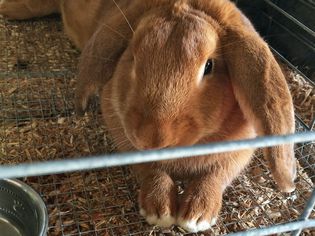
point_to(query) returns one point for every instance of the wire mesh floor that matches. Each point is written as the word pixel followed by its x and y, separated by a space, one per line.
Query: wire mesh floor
pixel 37 122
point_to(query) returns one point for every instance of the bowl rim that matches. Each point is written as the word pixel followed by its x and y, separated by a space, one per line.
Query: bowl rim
pixel 41 208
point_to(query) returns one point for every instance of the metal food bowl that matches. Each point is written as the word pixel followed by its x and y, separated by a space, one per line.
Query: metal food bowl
pixel 22 211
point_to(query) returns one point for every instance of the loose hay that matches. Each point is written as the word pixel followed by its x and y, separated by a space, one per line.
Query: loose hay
pixel 37 122
pixel 29 98
pixel 53 52
pixel 52 139
pixel 303 93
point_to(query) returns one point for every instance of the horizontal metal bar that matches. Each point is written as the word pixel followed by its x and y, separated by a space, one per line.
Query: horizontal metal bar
pixel 287 15
pixel 276 229
pixel 118 159
pixel 306 213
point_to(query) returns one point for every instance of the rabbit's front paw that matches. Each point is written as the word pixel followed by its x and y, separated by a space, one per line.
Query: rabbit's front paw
pixel 199 209
pixel 83 94
pixel 158 205
pixel 164 220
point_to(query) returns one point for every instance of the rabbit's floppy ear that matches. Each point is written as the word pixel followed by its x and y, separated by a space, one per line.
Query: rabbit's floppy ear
pixel 263 95
pixel 97 64
pixel 102 52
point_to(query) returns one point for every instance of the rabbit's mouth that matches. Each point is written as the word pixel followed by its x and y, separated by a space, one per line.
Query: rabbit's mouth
pixel 149 144
pixel 155 140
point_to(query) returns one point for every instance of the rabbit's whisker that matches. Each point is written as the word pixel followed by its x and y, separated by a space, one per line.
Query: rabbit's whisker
pixel 107 99
pixel 115 31
pixel 116 128
pixel 110 116
pixel 123 15
pixel 123 143
pixel 98 57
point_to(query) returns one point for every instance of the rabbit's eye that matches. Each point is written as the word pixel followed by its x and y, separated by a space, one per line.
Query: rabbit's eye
pixel 208 67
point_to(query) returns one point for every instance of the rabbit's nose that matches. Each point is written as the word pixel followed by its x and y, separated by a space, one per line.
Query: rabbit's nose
pixel 150 137
pixel 150 143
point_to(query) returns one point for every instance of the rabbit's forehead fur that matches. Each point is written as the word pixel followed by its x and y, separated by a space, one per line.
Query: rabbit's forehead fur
pixel 170 51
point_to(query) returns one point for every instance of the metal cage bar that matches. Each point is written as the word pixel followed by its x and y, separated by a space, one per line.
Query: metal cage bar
pixel 276 229
pixel 62 166
pixel 306 213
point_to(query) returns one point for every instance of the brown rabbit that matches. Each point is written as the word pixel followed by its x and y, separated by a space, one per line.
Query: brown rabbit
pixel 175 73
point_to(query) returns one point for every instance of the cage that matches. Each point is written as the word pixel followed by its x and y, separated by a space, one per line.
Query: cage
pixel 38 123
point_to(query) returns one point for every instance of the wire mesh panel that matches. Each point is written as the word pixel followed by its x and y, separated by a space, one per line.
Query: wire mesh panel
pixel 287 26
pixel 104 203
pixel 37 122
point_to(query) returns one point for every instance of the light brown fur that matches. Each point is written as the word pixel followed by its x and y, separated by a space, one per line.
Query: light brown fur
pixel 146 74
